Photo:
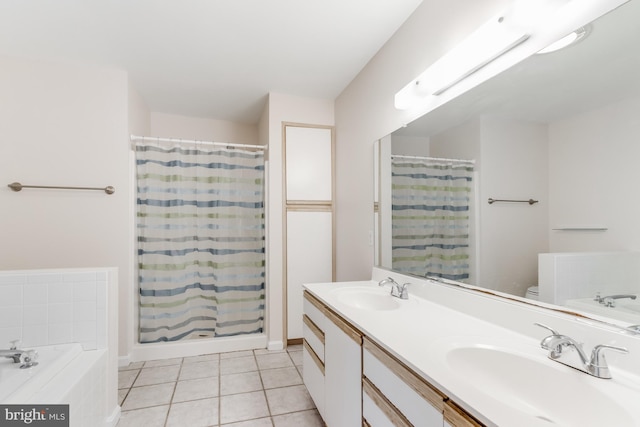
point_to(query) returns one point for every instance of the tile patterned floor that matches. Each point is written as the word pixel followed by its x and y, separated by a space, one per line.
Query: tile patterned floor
pixel 257 388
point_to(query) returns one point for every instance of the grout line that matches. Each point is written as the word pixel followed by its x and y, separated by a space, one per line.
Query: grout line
pixel 219 394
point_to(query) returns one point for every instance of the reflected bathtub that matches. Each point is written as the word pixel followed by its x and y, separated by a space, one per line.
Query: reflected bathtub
pixel 627 310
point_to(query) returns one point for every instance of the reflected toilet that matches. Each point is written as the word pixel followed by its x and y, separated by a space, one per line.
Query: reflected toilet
pixel 532 293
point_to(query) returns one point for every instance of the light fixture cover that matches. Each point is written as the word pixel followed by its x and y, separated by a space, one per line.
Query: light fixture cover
pixel 571 38
pixel 493 39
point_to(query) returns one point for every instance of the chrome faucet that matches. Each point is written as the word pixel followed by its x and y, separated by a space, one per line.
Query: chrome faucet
pixel 397 290
pixel 595 365
pixel 635 329
pixel 27 357
pixel 609 301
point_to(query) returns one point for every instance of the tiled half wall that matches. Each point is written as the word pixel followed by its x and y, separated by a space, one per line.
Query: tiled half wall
pixel 45 307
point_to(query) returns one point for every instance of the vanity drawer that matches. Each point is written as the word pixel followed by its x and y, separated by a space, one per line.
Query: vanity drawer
pixel 313 336
pixel 315 310
pixel 417 401
pixel 377 411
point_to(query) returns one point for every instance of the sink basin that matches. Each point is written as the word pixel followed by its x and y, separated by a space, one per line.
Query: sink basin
pixel 367 298
pixel 536 387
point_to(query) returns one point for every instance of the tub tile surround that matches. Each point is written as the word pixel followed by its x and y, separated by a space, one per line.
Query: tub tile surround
pixel 454 316
pixel 54 307
pixel 256 388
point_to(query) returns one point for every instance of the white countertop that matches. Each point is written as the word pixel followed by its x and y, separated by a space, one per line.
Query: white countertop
pixel 422 334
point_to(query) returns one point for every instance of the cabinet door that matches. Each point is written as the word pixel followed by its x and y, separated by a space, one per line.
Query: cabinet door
pixel 313 377
pixel 309 163
pixel 309 260
pixel 343 373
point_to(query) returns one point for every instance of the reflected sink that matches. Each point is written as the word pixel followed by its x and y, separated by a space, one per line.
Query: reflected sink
pixel 536 387
pixel 367 298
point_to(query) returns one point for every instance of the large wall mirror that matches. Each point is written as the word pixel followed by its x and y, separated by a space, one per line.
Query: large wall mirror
pixel 555 142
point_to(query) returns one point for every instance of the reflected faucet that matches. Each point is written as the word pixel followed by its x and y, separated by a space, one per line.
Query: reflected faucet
pixel 595 365
pixel 397 290
pixel 609 301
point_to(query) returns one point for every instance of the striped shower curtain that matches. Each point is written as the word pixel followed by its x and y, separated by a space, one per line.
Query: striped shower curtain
pixel 430 217
pixel 201 247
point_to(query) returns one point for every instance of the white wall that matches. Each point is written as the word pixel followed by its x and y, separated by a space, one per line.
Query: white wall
pixel 514 157
pixel 64 124
pixel 460 142
pixel 594 176
pixel 139 124
pixel 206 129
pixel 410 145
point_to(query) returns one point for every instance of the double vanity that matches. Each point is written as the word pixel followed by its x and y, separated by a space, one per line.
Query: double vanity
pixel 443 355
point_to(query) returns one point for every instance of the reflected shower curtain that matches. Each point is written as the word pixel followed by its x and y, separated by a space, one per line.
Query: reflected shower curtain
pixel 430 217
pixel 201 247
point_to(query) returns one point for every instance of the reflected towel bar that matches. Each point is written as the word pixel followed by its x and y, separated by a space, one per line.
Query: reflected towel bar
pixel 530 201
pixel 580 229
pixel 16 186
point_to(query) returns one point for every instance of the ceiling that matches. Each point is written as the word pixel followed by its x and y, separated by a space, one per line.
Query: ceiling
pixel 209 58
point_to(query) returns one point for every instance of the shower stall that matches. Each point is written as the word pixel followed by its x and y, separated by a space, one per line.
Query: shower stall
pixel 200 222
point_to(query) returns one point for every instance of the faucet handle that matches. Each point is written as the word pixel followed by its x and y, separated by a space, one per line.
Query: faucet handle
pixel 404 292
pixel 597 357
pixel 553 331
pixel 598 365
pixel 553 342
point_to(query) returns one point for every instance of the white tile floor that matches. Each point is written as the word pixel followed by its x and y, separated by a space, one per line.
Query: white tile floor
pixel 257 388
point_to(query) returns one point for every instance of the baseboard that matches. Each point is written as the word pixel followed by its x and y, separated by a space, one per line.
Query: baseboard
pixel 113 419
pixel 275 345
pixel 124 361
pixel 294 341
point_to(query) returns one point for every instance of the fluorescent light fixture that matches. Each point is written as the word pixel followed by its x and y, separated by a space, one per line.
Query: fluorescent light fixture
pixel 487 43
pixel 569 39
pixel 541 21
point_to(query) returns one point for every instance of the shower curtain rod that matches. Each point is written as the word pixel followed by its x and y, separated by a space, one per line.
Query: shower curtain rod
pixel 136 138
pixel 437 159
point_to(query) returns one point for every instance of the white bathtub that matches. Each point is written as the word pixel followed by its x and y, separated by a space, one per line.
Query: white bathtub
pixel 65 374
pixel 19 385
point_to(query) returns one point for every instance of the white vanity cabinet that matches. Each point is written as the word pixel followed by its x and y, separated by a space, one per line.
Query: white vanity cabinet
pixel 355 381
pixel 332 371
pixel 393 395
pixel 313 325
